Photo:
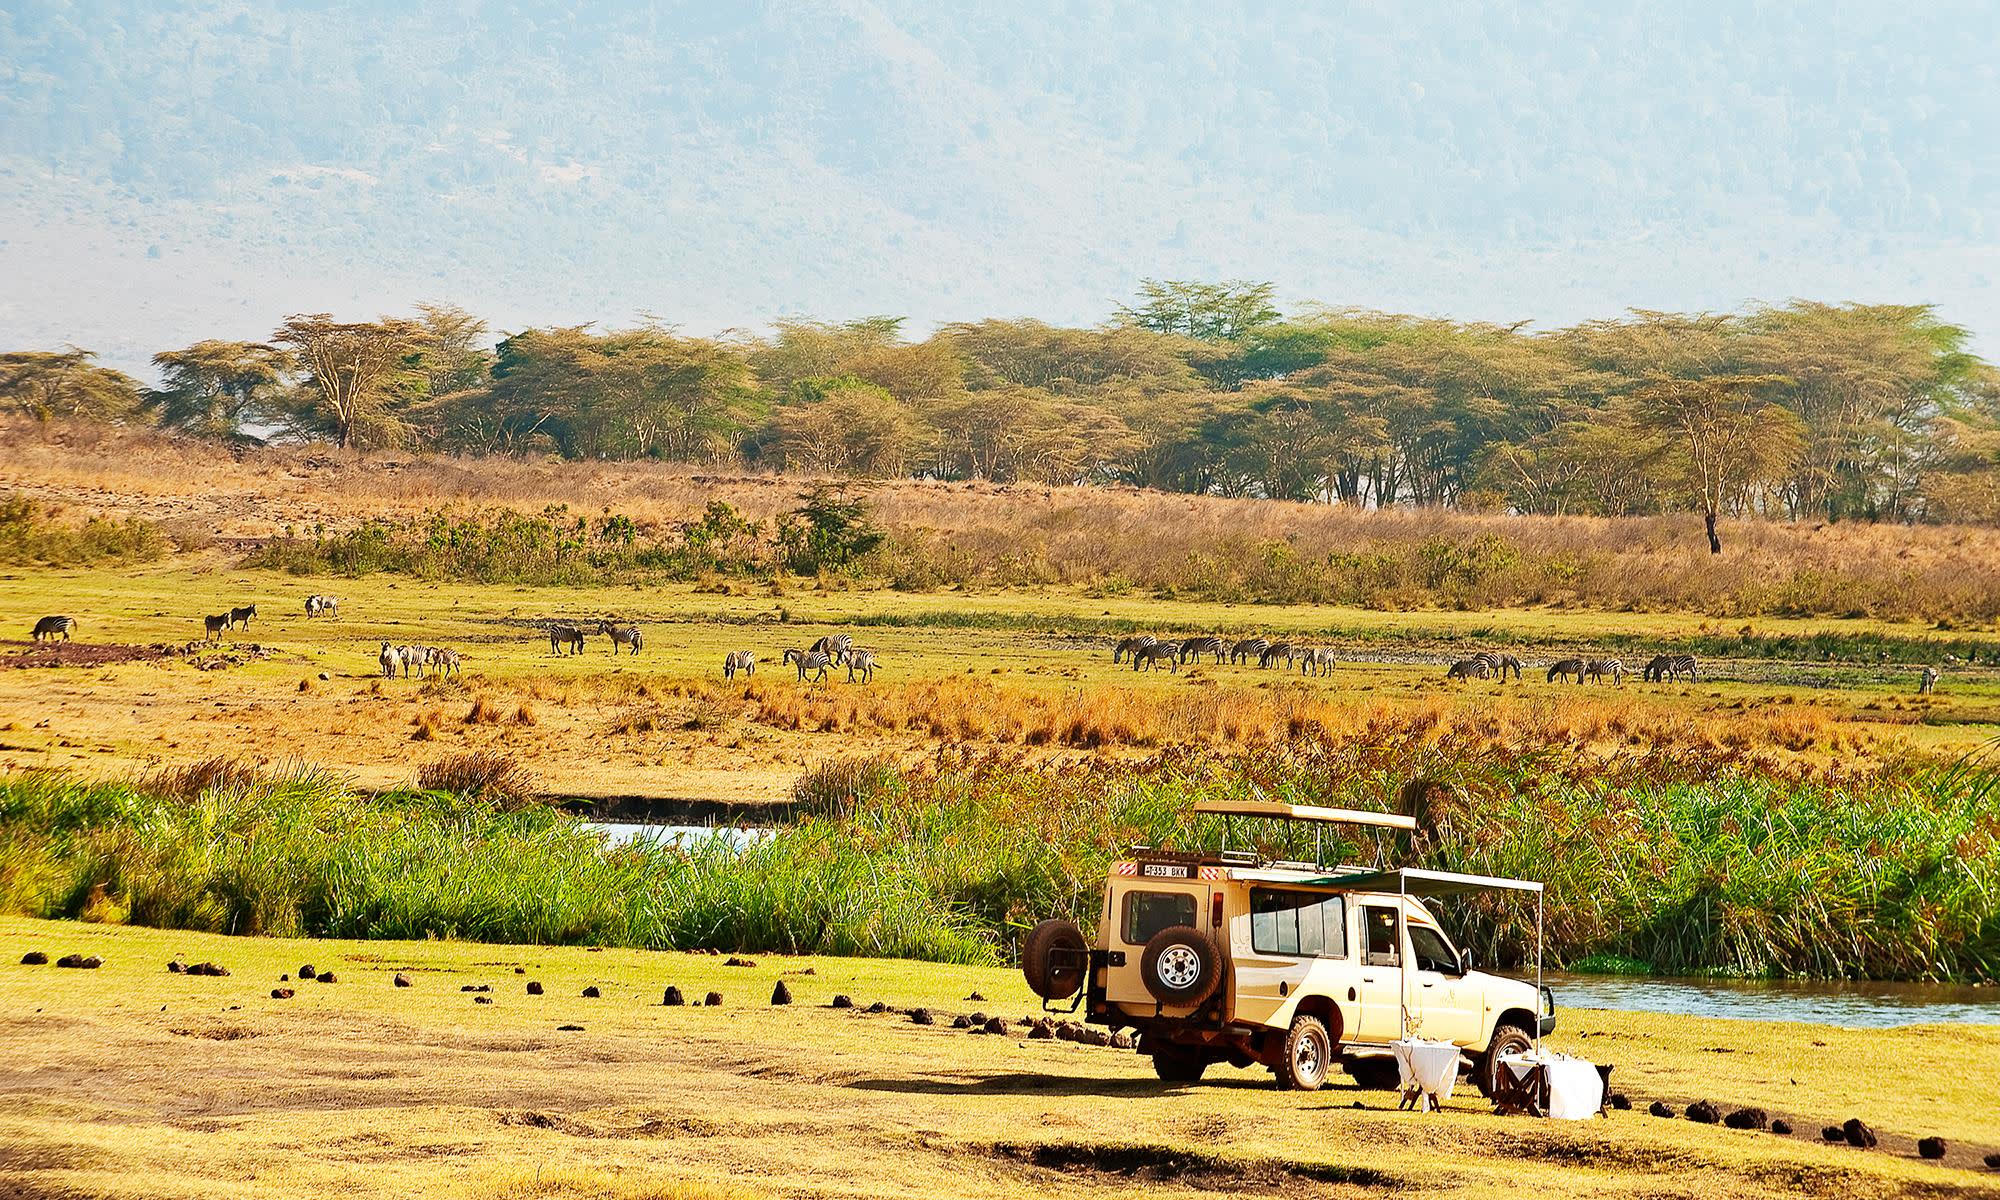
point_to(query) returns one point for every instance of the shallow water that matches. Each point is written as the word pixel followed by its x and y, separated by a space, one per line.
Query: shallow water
pixel 620 833
pixel 1856 1005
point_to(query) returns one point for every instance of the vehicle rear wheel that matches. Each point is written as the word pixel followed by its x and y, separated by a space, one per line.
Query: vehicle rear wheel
pixel 1375 1074
pixel 1507 1039
pixel 1045 979
pixel 1306 1057
pixel 1181 965
pixel 1179 1064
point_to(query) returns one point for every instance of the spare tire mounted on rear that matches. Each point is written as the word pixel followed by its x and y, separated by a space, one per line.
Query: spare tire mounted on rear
pixel 1181 965
pixel 1049 975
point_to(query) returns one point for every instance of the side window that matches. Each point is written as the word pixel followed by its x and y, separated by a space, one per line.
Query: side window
pixel 1432 952
pixel 1303 924
pixel 1146 913
pixel 1381 933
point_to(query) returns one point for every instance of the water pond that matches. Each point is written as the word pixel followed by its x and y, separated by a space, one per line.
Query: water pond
pixel 1853 1004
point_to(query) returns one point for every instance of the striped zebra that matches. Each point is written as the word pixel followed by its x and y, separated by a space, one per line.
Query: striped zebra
pixel 1598 668
pixel 858 660
pixel 809 660
pixel 565 637
pixel 1195 647
pixel 1148 657
pixel 1130 646
pixel 1317 661
pixel 443 661
pixel 833 645
pixel 1565 668
pixel 322 606
pixel 1469 668
pixel 738 660
pixel 389 659
pixel 241 616
pixel 1927 682
pixel 49 627
pixel 1248 649
pixel 1664 668
pixel 622 635
pixel 1276 651
pixel 212 627
pixel 1499 662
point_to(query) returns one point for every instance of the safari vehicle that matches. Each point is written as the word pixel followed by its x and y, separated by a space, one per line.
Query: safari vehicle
pixel 1228 957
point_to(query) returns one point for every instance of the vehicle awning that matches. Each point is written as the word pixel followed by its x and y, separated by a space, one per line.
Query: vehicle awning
pixel 1418 882
pixel 1304 812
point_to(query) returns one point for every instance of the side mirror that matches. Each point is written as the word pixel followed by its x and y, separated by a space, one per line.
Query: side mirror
pixel 1466 962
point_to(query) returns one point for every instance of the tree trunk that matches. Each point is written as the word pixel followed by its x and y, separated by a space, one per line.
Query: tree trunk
pixel 1714 542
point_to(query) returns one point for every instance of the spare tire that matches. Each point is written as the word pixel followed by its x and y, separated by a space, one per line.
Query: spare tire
pixel 1045 979
pixel 1181 965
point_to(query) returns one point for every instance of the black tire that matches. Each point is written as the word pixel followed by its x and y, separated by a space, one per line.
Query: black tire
pixel 1179 1064
pixel 1044 979
pixel 1181 965
pixel 1306 1058
pixel 1375 1074
pixel 1508 1038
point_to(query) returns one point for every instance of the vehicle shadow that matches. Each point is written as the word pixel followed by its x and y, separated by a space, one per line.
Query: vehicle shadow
pixel 1017 1083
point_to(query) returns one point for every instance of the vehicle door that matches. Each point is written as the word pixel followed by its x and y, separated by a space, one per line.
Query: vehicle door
pixel 1379 936
pixel 1137 914
pixel 1290 940
pixel 1443 1007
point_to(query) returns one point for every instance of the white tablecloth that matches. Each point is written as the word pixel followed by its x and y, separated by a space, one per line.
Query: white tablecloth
pixel 1428 1067
pixel 1576 1090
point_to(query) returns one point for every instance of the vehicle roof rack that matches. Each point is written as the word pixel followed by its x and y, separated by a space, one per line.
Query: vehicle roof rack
pixel 1305 812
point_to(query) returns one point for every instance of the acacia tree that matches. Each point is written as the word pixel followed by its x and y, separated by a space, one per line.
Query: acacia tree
pixel 354 372
pixel 1206 312
pixel 213 387
pixel 1728 439
pixel 45 384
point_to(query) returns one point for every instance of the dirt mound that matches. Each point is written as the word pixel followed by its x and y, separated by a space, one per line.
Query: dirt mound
pixel 78 654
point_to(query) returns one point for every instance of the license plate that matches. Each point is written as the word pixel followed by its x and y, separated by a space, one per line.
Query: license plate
pixel 1166 870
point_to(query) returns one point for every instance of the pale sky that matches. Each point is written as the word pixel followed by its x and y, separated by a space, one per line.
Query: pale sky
pixel 171 172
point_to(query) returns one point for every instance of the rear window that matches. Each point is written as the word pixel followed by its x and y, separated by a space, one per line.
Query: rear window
pixel 1305 924
pixel 1146 913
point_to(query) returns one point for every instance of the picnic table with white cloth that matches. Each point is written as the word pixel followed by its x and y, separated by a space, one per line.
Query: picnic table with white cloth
pixel 1429 1070
pixel 1543 1083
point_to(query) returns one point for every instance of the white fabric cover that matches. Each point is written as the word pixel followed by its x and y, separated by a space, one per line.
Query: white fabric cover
pixel 1576 1090
pixel 1428 1067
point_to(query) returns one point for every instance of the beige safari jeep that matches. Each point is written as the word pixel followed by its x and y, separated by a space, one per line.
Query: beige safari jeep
pixel 1227 958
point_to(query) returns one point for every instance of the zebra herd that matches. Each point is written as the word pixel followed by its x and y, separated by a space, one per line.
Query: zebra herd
pixel 1146 652
pixel 426 661
pixel 212 627
pixel 568 639
pixel 833 650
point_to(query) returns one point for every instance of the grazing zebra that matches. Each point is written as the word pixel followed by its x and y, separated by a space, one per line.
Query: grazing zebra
pixel 858 660
pixel 1499 662
pixel 561 636
pixel 833 645
pixel 1471 668
pixel 1276 651
pixel 1195 647
pixel 1316 662
pixel 443 661
pixel 1152 656
pixel 809 660
pixel 1566 668
pixel 1664 668
pixel 389 658
pixel 212 627
pixel 622 635
pixel 1132 645
pixel 1928 682
pixel 49 627
pixel 1598 668
pixel 1248 649
pixel 241 616
pixel 738 660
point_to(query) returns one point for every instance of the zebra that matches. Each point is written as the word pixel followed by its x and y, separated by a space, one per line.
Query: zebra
pixel 1195 647
pixel 623 635
pixel 1151 656
pixel 738 660
pixel 858 660
pixel 1132 645
pixel 1667 667
pixel 1248 649
pixel 1471 668
pixel 1598 668
pixel 212 627
pixel 809 660
pixel 444 662
pixel 242 616
pixel 833 645
pixel 322 606
pixel 1499 662
pixel 1316 661
pixel 312 605
pixel 1276 651
pixel 1927 683
pixel 565 635
pixel 1565 668
pixel 49 627
pixel 388 658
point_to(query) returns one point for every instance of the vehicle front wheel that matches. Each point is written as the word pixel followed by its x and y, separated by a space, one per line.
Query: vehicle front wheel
pixel 1507 1039
pixel 1178 1064
pixel 1307 1056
